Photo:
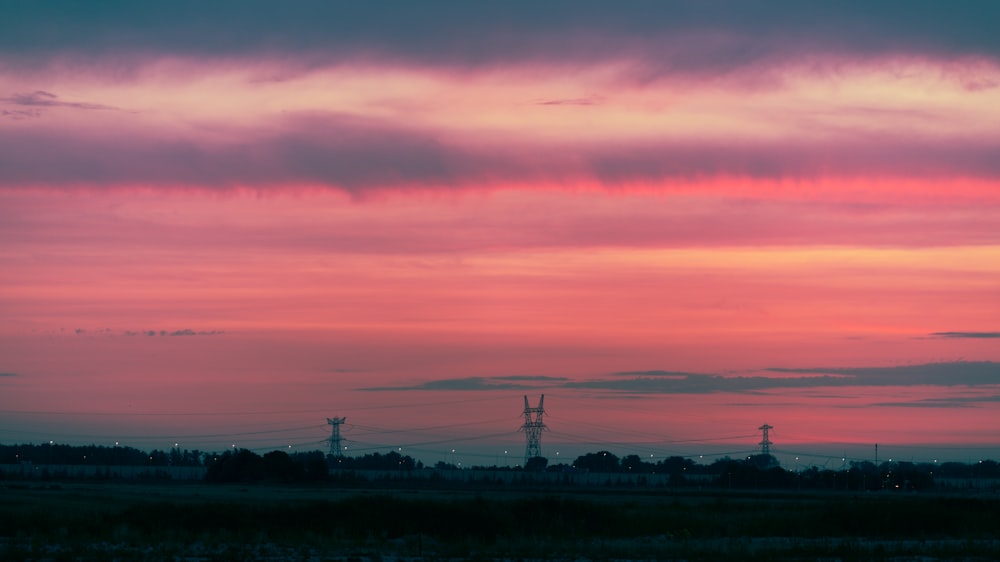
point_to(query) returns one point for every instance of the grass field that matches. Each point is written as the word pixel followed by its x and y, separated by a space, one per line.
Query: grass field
pixel 169 521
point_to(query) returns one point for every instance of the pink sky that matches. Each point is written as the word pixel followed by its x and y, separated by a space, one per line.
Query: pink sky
pixel 228 241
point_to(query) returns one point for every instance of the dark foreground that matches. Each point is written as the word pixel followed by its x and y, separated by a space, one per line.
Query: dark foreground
pixel 199 522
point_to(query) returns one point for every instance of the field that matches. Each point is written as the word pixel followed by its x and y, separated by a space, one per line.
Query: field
pixel 194 522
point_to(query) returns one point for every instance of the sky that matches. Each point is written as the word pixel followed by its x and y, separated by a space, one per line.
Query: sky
pixel 223 223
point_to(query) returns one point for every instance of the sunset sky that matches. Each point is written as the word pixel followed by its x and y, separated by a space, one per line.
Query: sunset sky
pixel 222 223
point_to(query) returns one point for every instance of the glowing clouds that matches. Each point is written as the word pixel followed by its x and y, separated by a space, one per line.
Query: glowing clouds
pixel 361 128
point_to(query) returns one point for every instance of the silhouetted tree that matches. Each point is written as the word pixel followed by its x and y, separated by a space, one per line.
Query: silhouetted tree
pixel 241 466
pixel 986 469
pixel 634 464
pixel 676 466
pixel 601 461
pixel 763 461
pixel 536 464
pixel 374 461
pixel 314 465
pixel 277 465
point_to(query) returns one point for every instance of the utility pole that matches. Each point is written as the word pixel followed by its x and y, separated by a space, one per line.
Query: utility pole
pixel 533 427
pixel 335 448
pixel 765 444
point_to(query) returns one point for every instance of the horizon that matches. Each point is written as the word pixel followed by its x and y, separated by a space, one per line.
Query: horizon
pixel 795 457
pixel 451 445
pixel 678 221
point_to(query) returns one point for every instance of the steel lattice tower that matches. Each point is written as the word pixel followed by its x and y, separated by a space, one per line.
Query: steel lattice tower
pixel 765 444
pixel 335 448
pixel 533 427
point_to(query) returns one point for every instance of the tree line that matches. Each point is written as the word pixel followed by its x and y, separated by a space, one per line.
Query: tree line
pixel 756 471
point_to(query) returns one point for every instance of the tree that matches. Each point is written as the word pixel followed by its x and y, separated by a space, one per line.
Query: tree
pixel 536 464
pixel 675 466
pixel 241 466
pixel 763 461
pixel 314 465
pixel 634 464
pixel 277 465
pixel 601 461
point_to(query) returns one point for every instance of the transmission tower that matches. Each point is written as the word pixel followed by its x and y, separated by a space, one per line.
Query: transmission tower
pixel 765 444
pixel 335 448
pixel 533 427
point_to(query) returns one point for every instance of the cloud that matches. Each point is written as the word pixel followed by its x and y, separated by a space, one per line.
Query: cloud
pixel 41 98
pixel 18 114
pixel 956 402
pixel 970 373
pixel 702 384
pixel 8 374
pixel 937 374
pixel 570 101
pixel 676 382
pixel 671 382
pixel 535 378
pixel 675 36
pixel 514 382
pixel 335 151
pixel 970 335
pixel 358 154
pixel 165 333
pixel 658 373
